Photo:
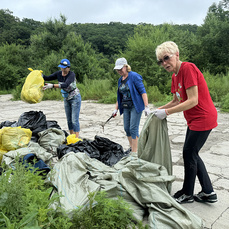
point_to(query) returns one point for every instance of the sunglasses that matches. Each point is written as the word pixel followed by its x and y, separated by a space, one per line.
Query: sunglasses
pixel 166 58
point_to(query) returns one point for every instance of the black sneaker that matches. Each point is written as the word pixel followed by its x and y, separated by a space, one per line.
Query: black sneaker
pixel 203 197
pixel 178 194
pixel 184 199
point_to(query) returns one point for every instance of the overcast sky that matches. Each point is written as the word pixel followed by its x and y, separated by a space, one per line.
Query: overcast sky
pixel 106 11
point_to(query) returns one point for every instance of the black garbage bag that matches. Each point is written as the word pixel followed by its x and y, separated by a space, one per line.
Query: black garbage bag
pixel 7 124
pixel 88 147
pixel 52 124
pixel 33 120
pixel 101 148
pixel 110 152
pixel 64 149
pixel 85 146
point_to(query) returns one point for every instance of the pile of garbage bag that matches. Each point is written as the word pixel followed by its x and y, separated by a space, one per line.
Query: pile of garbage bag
pixel 143 180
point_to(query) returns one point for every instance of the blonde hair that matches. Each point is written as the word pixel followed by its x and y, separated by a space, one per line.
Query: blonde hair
pixel 128 67
pixel 169 47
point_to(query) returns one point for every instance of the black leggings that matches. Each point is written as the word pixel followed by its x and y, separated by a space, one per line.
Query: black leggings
pixel 193 164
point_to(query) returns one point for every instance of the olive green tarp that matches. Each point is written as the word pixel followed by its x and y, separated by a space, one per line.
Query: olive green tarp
pixel 142 183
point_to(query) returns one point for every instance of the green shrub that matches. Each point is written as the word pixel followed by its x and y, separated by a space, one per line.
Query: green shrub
pixel 25 201
pixel 105 213
pixel 17 92
pixel 224 104
pixel 104 91
pixel 14 59
pixel 52 94
pixel 5 92
pixel 94 89
pixel 154 95
pixel 218 85
pixel 110 98
pixel 165 100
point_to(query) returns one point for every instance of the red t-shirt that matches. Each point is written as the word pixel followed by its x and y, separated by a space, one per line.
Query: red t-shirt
pixel 204 115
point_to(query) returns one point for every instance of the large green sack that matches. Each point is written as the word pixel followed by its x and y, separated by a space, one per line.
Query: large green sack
pixel 154 144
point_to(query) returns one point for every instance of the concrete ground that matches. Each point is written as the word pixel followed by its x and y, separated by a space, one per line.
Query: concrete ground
pixel 93 115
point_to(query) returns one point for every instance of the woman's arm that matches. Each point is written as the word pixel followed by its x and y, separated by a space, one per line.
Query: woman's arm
pixel 145 99
pixel 192 101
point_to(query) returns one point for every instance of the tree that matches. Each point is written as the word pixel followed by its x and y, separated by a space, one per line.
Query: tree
pixel 56 42
pixel 214 36
pixel 50 38
pixel 108 39
pixel 140 52
pixel 14 60
pixel 13 30
pixel 85 61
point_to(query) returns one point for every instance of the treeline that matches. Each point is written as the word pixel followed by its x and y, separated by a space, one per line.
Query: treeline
pixel 93 48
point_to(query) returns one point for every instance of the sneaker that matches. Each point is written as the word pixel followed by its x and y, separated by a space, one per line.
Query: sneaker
pixel 184 199
pixel 203 197
pixel 178 194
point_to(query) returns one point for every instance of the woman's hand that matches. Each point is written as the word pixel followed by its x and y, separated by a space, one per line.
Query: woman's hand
pixel 161 113
pixel 48 86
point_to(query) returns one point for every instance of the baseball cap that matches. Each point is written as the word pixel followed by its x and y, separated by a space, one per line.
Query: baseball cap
pixel 64 63
pixel 120 62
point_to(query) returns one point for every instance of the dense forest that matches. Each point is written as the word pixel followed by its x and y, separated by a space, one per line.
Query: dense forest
pixel 93 48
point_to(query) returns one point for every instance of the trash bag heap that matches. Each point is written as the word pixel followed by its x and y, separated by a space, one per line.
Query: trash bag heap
pixel 78 167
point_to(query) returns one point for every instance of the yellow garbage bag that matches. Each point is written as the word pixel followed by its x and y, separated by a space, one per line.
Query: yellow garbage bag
pixel 71 139
pixel 12 138
pixel 32 90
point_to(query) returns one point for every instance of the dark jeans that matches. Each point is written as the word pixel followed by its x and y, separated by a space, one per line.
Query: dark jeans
pixel 193 164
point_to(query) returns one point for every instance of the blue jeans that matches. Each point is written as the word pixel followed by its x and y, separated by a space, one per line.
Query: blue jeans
pixel 131 120
pixel 72 111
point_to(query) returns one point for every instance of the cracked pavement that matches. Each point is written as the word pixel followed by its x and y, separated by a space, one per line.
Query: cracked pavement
pixel 214 153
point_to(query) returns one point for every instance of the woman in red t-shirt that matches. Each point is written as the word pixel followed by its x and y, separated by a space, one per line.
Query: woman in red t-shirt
pixel 190 95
